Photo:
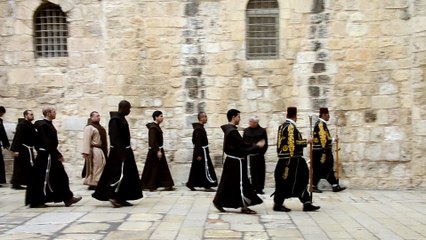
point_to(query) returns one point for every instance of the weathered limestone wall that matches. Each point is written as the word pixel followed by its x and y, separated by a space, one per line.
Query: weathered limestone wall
pixel 365 60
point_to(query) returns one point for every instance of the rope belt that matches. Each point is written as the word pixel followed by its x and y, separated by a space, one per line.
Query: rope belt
pixel 47 175
pixel 118 183
pixel 30 148
pixel 127 147
pixel 248 165
pixel 160 147
pixel 208 176
pixel 246 201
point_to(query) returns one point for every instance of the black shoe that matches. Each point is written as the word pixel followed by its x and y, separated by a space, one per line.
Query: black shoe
pixel 338 188
pixel 91 188
pixel 219 208
pixel 190 187
pixel 308 207
pixel 281 208
pixel 169 188
pixel 71 201
pixel 38 205
pixel 315 189
pixel 114 203
pixel 18 187
pixel 125 204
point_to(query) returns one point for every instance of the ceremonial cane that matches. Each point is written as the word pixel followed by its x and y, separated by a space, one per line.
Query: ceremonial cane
pixel 337 154
pixel 311 165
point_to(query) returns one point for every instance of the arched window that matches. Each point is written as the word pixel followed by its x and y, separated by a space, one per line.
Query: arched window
pixel 262 29
pixel 50 31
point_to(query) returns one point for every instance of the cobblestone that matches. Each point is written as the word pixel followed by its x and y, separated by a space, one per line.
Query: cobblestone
pixel 186 215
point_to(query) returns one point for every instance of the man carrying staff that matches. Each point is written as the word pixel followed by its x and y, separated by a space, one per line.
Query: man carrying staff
pixel 291 173
pixel 235 190
pixel 323 161
pixel 256 161
pixel 202 172
pixel 94 151
pixel 22 148
pixel 119 181
pixel 48 180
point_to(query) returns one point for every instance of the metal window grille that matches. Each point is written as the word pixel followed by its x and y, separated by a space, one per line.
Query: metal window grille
pixel 50 31
pixel 262 35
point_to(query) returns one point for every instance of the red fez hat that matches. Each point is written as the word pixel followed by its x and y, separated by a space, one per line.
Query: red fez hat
pixel 323 110
pixel 291 112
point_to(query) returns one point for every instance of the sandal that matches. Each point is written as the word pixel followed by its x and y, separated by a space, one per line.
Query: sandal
pixel 220 208
pixel 247 211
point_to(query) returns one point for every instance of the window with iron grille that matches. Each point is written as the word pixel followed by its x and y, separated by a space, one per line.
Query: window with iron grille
pixel 50 31
pixel 262 36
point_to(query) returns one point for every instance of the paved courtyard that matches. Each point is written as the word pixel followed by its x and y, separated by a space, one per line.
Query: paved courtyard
pixel 185 215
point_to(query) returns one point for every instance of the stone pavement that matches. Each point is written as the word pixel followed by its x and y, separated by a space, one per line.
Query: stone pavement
pixel 185 215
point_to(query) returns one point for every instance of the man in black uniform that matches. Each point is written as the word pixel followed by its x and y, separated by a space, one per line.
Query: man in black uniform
pixel 119 181
pixel 322 153
pixel 202 172
pixel 291 173
pixel 49 181
pixel 4 142
pixel 235 190
pixel 22 148
pixel 156 171
pixel 256 161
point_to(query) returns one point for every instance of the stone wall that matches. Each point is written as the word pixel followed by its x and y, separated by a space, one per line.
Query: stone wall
pixel 365 60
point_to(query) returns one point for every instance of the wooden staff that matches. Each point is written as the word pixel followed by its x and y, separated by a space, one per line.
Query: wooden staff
pixel 311 162
pixel 337 153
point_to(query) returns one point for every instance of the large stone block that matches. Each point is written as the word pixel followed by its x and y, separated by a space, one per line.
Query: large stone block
pixel 419 25
pixel 419 127
pixel 304 6
pixel 25 9
pixel 302 69
pixel 394 133
pixel 20 76
pixel 395 3
pixel 23 27
pixel 75 123
pixel 19 43
pixel 387 88
pixel 356 26
pixel 373 152
pixel 306 57
pixel 384 102
pixel 396 28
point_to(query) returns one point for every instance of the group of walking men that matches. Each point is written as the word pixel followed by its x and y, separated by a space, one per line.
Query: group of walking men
pixel 115 178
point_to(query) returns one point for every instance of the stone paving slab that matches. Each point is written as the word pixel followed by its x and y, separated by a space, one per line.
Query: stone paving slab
pixel 187 215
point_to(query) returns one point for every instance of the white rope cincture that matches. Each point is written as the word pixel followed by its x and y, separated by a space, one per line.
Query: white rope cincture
pixel 248 167
pixel 30 152
pixel 47 175
pixel 127 147
pixel 246 201
pixel 209 178
pixel 118 183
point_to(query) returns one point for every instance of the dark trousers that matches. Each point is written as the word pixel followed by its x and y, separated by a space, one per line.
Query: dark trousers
pixel 279 198
pixel 295 182
pixel 323 170
pixel 2 169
